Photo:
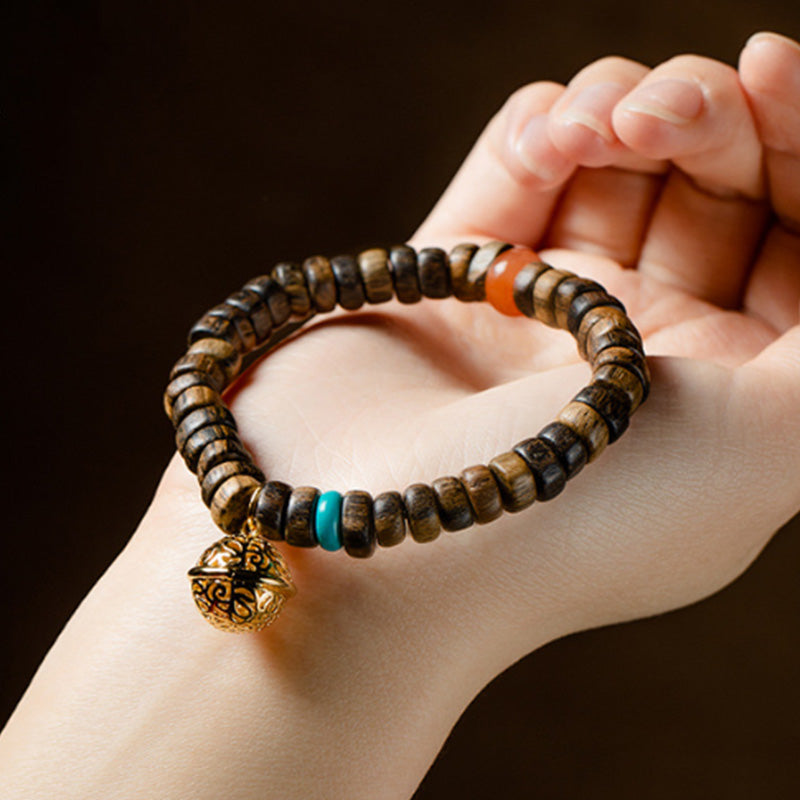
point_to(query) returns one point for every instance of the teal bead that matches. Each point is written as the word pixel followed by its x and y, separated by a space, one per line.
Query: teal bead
pixel 328 520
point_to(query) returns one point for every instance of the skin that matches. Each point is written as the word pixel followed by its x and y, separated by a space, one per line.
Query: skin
pixel 693 222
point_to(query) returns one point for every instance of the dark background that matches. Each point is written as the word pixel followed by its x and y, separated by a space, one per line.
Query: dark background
pixel 159 154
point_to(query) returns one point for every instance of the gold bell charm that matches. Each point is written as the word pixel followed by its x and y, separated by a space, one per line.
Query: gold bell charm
pixel 241 583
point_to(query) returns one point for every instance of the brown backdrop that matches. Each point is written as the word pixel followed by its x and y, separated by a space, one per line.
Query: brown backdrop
pixel 159 154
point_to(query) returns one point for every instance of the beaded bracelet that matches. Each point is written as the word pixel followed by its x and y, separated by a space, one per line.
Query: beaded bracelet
pixel 241 582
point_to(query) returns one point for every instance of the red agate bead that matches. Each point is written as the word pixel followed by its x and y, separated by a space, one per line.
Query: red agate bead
pixel 500 278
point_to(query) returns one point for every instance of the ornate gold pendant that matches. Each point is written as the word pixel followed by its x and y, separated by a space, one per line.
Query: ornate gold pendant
pixel 241 583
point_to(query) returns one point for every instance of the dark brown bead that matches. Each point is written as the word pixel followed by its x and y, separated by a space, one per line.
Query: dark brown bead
pixel 588 424
pixel 459 259
pixel 611 403
pixel 357 529
pixel 256 311
pixel 455 511
pixel 602 336
pixel 548 473
pixel 625 379
pixel 191 399
pixel 231 502
pixel 227 356
pixel 566 292
pixel 321 285
pixel 207 365
pixel 373 265
pixel 567 445
pixel 274 295
pixel 585 302
pixel 389 522
pixel 434 273
pixel 514 479
pixel 632 360
pixel 218 451
pixel 478 266
pixel 483 493
pixel 198 441
pixel 544 294
pixel 524 282
pixel 403 266
pixel 291 278
pixel 186 380
pixel 607 317
pixel 213 326
pixel 300 511
pixel 269 511
pixel 349 288
pixel 200 418
pixel 244 330
pixel 217 475
pixel 423 518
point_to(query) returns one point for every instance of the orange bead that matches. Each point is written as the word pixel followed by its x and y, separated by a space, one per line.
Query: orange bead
pixel 500 278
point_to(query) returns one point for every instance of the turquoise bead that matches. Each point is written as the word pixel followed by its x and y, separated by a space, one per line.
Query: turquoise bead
pixel 328 521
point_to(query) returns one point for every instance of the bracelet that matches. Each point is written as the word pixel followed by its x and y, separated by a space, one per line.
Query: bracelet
pixel 241 582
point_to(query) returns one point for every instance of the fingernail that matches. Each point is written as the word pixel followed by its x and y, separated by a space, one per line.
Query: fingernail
pixel 767 37
pixel 672 100
pixel 591 108
pixel 533 147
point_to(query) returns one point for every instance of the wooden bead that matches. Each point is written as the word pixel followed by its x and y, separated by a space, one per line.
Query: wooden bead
pixel 566 292
pixel 423 517
pixel 588 424
pixel 213 326
pixel 603 336
pixel 632 360
pixel 186 380
pixel 256 311
pixel 544 295
pixel 479 265
pixel 403 266
pixel 217 475
pixel 320 282
pixel 300 510
pixel 226 355
pixel 499 282
pixel 548 473
pixel 274 295
pixel 434 273
pixel 349 287
pixel 625 379
pixel 204 363
pixel 199 440
pixel 190 400
pixel 483 493
pixel 237 317
pixel 373 265
pixel 524 282
pixel 291 278
pixel 514 479
pixel 217 452
pixel 358 532
pixel 269 510
pixel 455 511
pixel 585 302
pixel 607 316
pixel 611 403
pixel 567 445
pixel 231 502
pixel 200 418
pixel 388 519
pixel 459 260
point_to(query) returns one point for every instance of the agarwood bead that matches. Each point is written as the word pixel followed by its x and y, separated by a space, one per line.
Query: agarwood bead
pixel 373 264
pixel 523 287
pixel 585 302
pixel 483 493
pixel 199 440
pixel 567 445
pixel 256 311
pixel 217 452
pixel 217 475
pixel 186 380
pixel 240 321
pixel 625 379
pixel 349 286
pixel 191 399
pixel 213 326
pixel 231 502
pixel 226 355
pixel 358 532
pixel 602 337
pixel 606 316
pixel 479 265
pixel 459 260
pixel 274 295
pixel 300 512
pixel 434 273
pixel 514 479
pixel 200 418
pixel 455 511
pixel 269 509
pixel 544 294
pixel 403 266
pixel 611 403
pixel 423 517
pixel 566 292
pixel 291 278
pixel 548 473
pixel 632 360
pixel 321 285
pixel 588 424
pixel 388 518
pixel 204 363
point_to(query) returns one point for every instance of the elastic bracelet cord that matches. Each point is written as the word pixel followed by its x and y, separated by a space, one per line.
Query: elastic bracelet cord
pixel 242 582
